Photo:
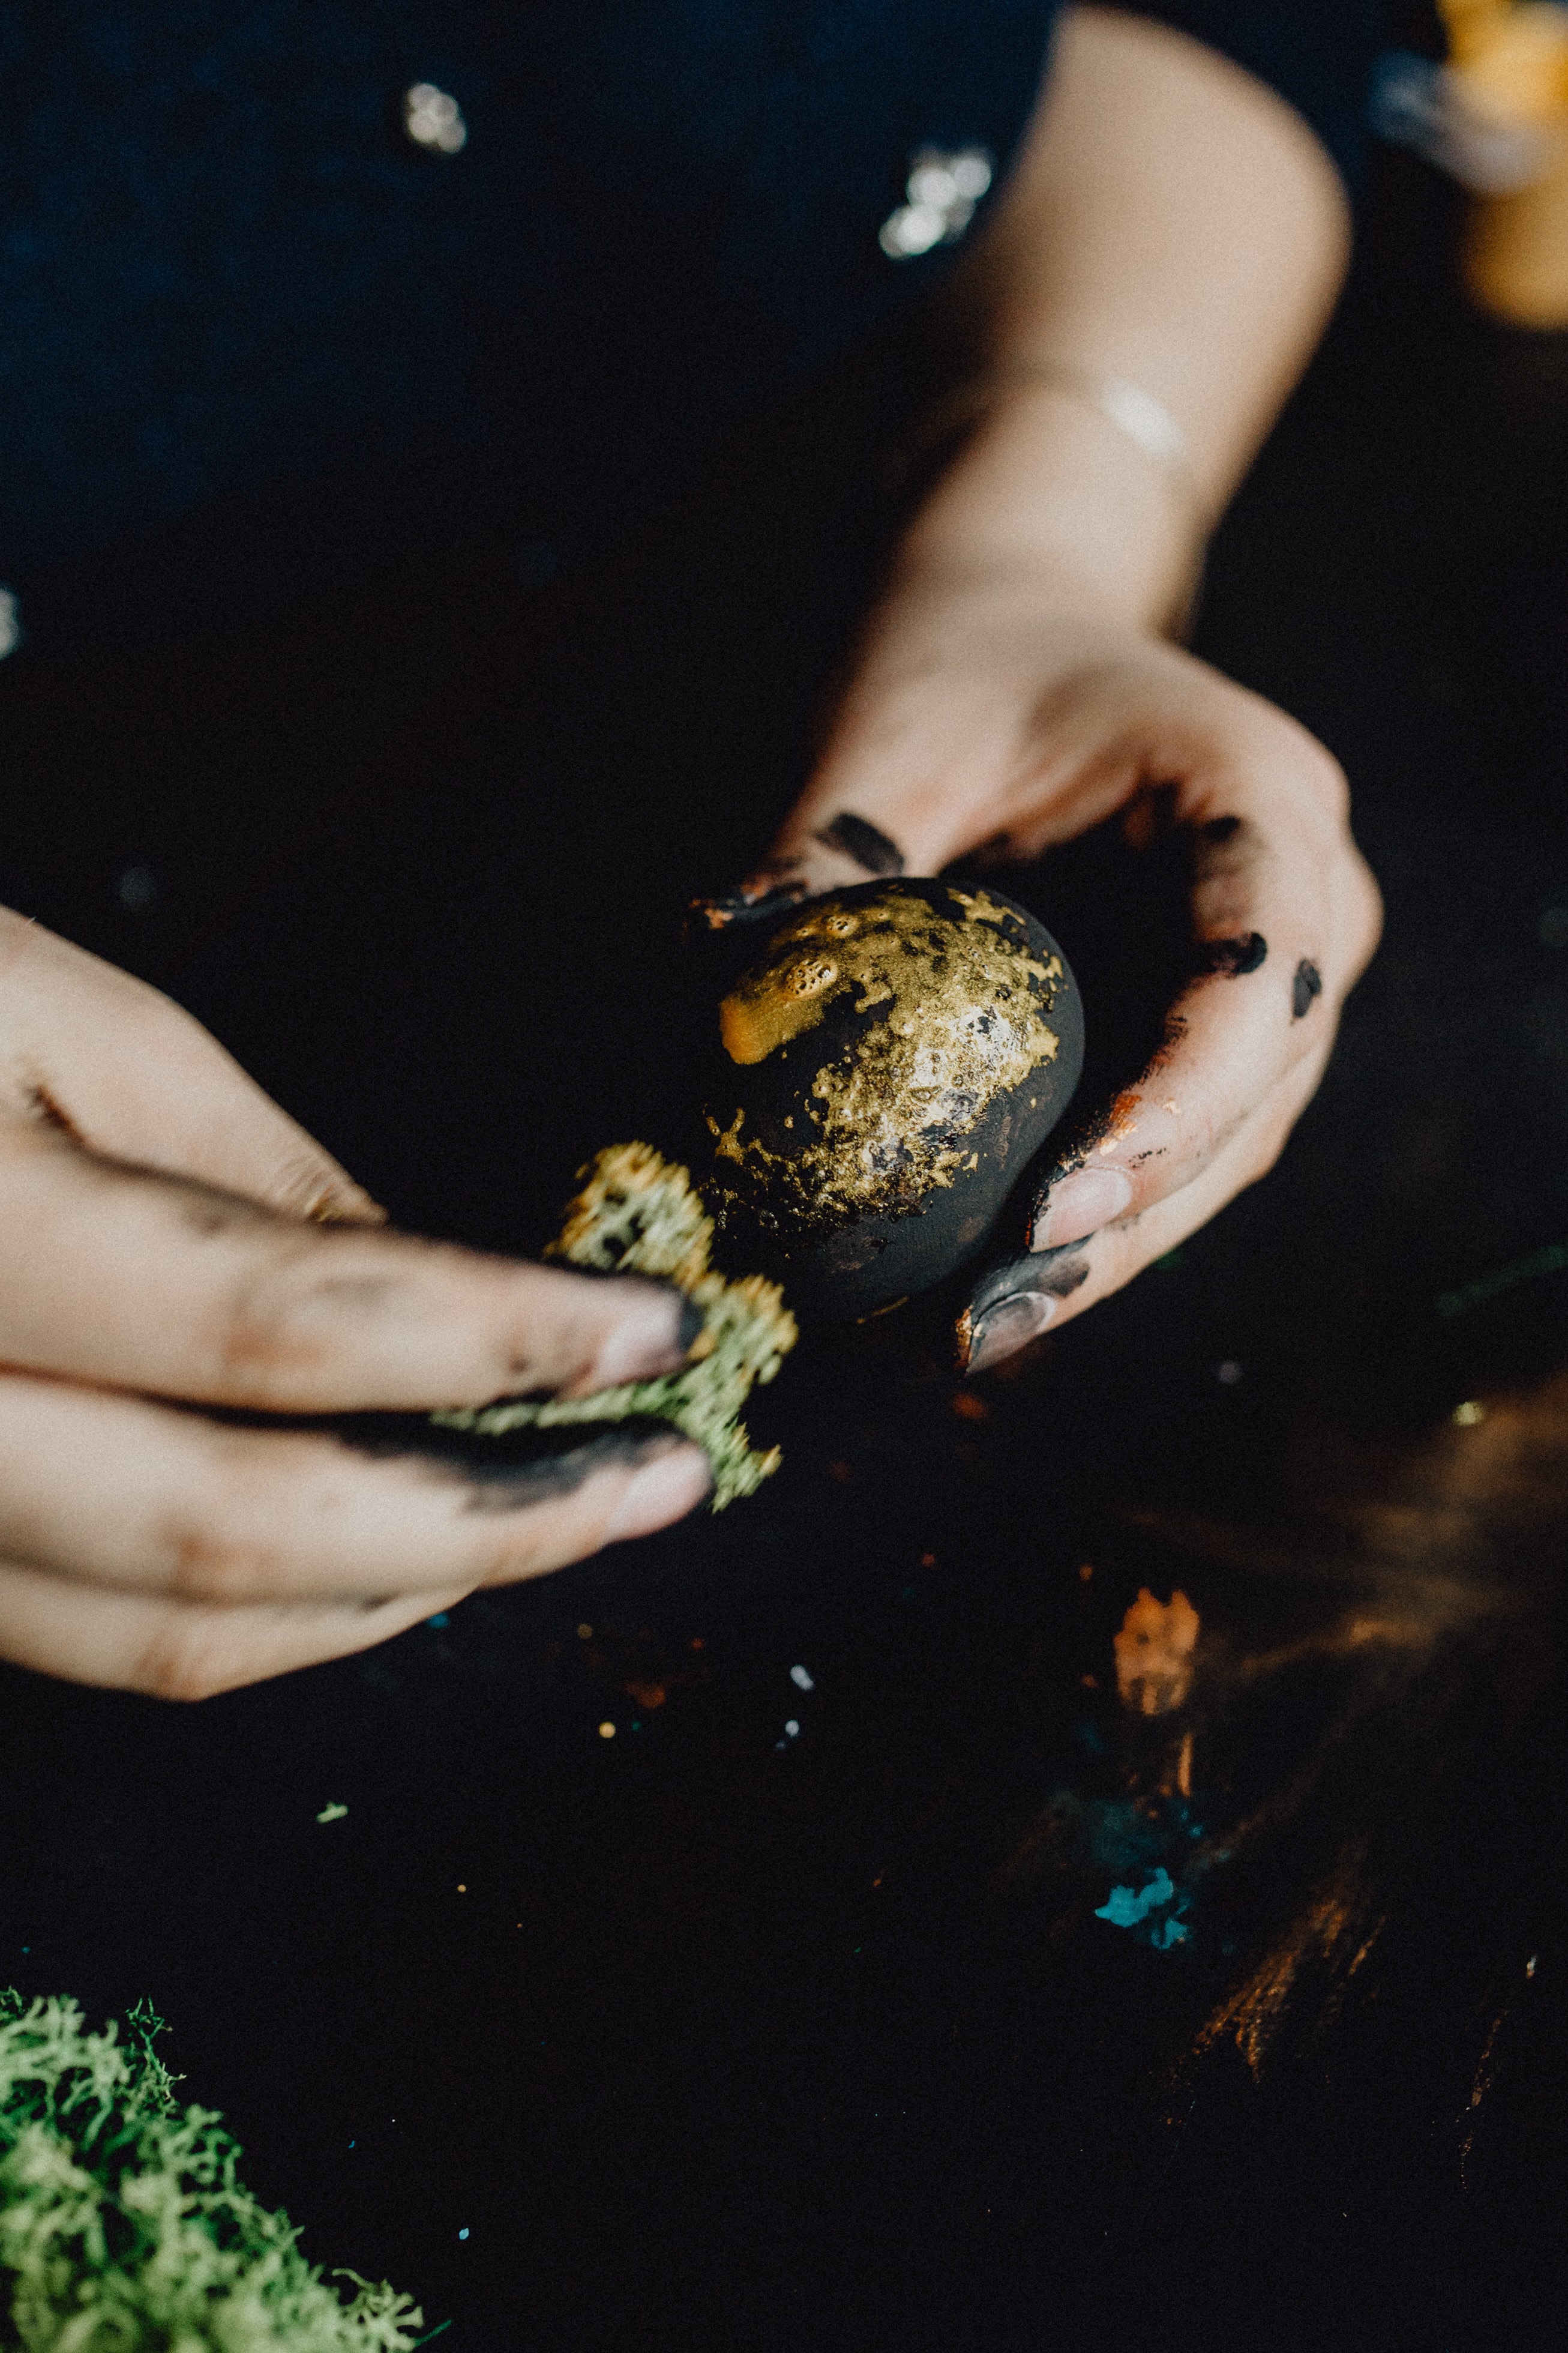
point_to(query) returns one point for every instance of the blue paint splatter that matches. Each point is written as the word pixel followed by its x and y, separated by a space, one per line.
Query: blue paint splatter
pixel 1150 1849
pixel 1125 1909
pixel 440 1619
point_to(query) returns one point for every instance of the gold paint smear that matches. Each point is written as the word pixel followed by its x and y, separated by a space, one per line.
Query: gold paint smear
pixel 965 1021
pixel 755 1020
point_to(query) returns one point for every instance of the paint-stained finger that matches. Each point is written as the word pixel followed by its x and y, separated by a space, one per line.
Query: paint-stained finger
pixel 808 858
pixel 117 1491
pixel 1259 1009
pixel 134 1280
pixel 1015 1303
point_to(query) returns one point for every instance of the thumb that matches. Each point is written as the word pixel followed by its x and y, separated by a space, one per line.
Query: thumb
pixel 134 1078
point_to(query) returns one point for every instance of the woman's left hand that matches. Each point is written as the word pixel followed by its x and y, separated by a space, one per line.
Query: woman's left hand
pixel 986 712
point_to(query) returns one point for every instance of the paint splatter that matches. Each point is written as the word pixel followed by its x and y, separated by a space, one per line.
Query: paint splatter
pixel 1123 1909
pixel 331 1813
pixel 1126 1909
pixel 1307 985
pixel 866 844
pixel 1235 958
pixel 1154 1653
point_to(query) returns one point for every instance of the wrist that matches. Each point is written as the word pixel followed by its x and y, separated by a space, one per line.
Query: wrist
pixel 1054 493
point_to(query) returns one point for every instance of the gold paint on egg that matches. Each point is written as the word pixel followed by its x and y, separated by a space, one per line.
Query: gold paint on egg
pixel 761 1016
pixel 965 1021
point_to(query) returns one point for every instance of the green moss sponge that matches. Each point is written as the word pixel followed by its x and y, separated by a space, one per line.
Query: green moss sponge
pixel 638 1215
pixel 124 2227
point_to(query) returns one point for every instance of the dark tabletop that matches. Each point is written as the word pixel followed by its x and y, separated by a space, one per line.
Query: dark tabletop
pixel 802 2010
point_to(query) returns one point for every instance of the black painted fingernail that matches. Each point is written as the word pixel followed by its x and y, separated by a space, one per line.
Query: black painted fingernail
pixel 1307 985
pixel 743 905
pixel 866 844
pixel 1008 1326
pixel 1235 958
pixel 1056 1273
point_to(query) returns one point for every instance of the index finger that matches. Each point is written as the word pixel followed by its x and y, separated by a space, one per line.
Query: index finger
pixel 131 1279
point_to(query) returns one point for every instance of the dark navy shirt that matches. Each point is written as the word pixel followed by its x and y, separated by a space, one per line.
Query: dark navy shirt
pixel 228 274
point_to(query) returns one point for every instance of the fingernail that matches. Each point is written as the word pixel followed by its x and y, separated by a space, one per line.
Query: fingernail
pixel 1007 1327
pixel 757 901
pixel 672 1485
pixel 654 1336
pixel 1080 1204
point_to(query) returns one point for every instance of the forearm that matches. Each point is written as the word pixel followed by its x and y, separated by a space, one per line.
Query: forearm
pixel 1171 222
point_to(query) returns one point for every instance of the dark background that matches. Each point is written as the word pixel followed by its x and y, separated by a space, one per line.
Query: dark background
pixel 712 2033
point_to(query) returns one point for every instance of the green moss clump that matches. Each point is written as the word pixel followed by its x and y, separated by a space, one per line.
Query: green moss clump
pixel 636 1214
pixel 124 2227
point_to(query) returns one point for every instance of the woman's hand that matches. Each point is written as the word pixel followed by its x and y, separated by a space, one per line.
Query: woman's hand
pixel 163 1246
pixel 1172 232
pixel 983 713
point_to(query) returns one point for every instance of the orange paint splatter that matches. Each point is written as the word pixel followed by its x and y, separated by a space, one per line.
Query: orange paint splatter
pixel 1154 1653
pixel 1121 1123
pixel 969 1408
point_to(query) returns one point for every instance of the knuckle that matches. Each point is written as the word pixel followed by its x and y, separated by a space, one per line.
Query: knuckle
pixel 208 1541
pixel 1327 781
pixel 205 1562
pixel 1315 786
pixel 185 1659
pixel 287 1318
pixel 1367 914
pixel 1314 769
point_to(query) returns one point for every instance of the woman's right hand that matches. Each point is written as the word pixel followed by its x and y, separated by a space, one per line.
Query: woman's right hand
pixel 169 1238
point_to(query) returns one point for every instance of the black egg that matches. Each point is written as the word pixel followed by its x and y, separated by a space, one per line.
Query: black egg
pixel 888 1065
